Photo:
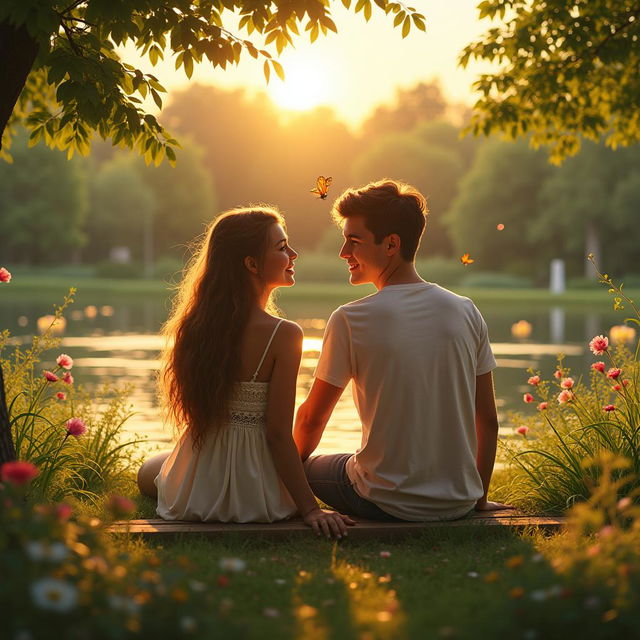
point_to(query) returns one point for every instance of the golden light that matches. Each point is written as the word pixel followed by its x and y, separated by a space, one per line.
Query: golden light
pixel 622 334
pixel 50 323
pixel 521 329
pixel 306 84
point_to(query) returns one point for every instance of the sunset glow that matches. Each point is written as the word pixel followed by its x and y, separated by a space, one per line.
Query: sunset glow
pixel 306 85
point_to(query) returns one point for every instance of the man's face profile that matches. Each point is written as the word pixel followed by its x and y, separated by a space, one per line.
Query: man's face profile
pixel 365 258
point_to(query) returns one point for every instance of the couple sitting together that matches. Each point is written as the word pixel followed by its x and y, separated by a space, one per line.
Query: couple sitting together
pixel 417 355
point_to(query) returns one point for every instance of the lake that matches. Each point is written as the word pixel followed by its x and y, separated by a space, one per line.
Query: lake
pixel 114 337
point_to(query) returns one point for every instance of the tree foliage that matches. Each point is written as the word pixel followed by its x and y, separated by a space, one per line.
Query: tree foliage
pixel 567 70
pixel 79 84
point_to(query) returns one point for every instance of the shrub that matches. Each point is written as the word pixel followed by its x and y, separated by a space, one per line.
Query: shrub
pixel 491 280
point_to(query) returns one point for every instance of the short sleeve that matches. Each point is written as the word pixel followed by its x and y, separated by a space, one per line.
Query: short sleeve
pixel 485 361
pixel 334 364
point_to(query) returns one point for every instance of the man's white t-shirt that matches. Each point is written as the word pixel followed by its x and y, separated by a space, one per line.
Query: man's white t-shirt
pixel 413 352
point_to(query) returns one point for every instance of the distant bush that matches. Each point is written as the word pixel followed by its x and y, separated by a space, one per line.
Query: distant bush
pixel 168 268
pixel 119 270
pixel 582 283
pixel 490 280
pixel 447 272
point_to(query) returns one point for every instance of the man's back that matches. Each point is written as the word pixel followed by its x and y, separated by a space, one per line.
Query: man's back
pixel 413 352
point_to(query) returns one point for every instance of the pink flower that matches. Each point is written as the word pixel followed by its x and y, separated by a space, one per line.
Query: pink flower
pixel 5 276
pixel 542 406
pixel 119 506
pixel 534 380
pixel 598 366
pixel 522 430
pixel 599 345
pixel 626 382
pixel 65 361
pixel 63 511
pixel 609 407
pixel 527 397
pixel 385 554
pixel 18 473
pixel 567 383
pixel 617 387
pixel 61 395
pixel 76 427
pixel 50 376
pixel 613 373
pixel 624 503
pixel 557 373
pixel 67 377
pixel 565 396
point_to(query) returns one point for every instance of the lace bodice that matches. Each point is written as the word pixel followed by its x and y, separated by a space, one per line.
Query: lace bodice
pixel 248 406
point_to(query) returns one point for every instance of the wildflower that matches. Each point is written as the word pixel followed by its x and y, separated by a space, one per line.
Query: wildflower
pixel 598 366
pixel 61 395
pixel 539 595
pixel 197 586
pixel 63 511
pixel 599 345
pixel 38 551
pixel 54 595
pixel 514 561
pixel 543 406
pixel 557 374
pixel 614 373
pixel 516 592
pixel 624 503
pixel 473 574
pixel 120 603
pixel 565 396
pixel 527 397
pixel 188 624
pixel 270 612
pixel 534 380
pixel 522 430
pixel 223 581
pixel 567 383
pixel 64 361
pixel 18 473
pixel 67 378
pixel 5 276
pixel 385 554
pixel 119 506
pixel 617 387
pixel 626 383
pixel 50 376
pixel 606 532
pixel 492 576
pixel 235 565
pixel 76 427
pixel 280 581
pixel 609 407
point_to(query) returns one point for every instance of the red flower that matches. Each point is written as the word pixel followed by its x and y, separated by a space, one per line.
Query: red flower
pixel 18 473
pixel 557 374
pixel 598 366
pixel 61 395
pixel 617 387
pixel 522 430
pixel 599 345
pixel 5 276
pixel 120 506
pixel 534 380
pixel 527 397
pixel 613 373
pixel 76 427
pixel 63 511
pixel 609 407
pixel 542 406
pixel 50 376
pixel 67 377
pixel 223 581
pixel 567 383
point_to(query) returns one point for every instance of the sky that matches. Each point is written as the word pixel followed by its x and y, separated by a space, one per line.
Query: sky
pixel 359 67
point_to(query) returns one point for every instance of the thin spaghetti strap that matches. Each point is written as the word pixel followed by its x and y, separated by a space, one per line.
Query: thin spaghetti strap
pixel 255 375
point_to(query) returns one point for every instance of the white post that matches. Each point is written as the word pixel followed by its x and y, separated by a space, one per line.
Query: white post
pixel 557 279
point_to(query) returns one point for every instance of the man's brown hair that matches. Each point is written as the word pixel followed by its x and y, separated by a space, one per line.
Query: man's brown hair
pixel 387 206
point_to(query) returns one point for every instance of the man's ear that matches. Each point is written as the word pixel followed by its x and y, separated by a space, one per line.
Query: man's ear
pixel 392 244
pixel 251 264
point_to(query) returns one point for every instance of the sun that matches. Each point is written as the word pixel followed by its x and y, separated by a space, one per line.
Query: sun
pixel 306 85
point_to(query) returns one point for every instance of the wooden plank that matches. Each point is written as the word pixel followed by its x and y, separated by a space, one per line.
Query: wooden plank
pixel 364 529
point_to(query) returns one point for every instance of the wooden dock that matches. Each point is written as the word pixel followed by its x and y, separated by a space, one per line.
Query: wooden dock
pixel 364 529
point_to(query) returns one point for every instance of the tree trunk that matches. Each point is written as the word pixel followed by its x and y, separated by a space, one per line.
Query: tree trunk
pixel 18 52
pixel 7 450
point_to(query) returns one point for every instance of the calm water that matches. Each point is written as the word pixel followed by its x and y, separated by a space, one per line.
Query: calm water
pixel 115 338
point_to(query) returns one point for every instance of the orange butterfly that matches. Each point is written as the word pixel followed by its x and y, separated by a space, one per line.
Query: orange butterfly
pixel 466 259
pixel 322 186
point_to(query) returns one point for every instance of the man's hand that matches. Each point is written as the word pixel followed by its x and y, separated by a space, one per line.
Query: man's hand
pixel 485 505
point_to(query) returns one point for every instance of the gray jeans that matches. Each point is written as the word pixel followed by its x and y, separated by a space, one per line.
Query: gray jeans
pixel 328 479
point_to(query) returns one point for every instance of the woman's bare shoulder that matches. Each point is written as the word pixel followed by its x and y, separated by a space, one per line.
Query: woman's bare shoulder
pixel 290 331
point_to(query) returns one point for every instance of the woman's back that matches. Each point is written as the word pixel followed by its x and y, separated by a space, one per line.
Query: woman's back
pixel 231 476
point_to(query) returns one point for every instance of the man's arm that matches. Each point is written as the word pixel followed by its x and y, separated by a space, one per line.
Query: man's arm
pixel 313 415
pixel 487 433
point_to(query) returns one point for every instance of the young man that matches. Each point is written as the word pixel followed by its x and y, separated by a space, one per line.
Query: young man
pixel 420 363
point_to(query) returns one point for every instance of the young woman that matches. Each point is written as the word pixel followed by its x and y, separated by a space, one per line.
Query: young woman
pixel 228 382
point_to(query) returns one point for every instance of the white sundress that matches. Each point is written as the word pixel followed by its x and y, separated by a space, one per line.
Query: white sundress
pixel 231 478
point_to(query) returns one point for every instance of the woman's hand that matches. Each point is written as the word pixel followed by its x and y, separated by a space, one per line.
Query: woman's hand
pixel 329 523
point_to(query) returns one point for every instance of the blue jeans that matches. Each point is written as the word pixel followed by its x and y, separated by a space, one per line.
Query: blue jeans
pixel 329 481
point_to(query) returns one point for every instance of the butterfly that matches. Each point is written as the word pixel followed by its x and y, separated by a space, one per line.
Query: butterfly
pixel 466 259
pixel 322 186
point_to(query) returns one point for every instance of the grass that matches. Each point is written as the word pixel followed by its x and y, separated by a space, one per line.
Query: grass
pixel 429 587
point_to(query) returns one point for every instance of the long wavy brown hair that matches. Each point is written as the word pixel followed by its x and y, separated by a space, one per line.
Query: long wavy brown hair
pixel 201 359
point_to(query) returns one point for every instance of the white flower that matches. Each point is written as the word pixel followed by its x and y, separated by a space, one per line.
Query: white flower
pixel 472 574
pixel 280 581
pixel 270 612
pixel 540 595
pixel 38 551
pixel 197 586
pixel 188 624
pixel 120 603
pixel 54 595
pixel 235 565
